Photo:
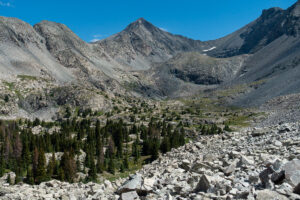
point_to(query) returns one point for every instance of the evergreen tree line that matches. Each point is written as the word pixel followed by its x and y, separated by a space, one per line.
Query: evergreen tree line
pixel 114 147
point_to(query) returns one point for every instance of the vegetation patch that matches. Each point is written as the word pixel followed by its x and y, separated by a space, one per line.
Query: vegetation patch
pixel 27 77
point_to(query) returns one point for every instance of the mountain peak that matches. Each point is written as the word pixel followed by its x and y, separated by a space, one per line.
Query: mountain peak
pixel 141 20
pixel 140 23
pixel 295 9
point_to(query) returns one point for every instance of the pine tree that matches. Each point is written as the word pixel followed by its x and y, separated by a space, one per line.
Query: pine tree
pixel 126 162
pixel 29 178
pixel 61 174
pixel 154 150
pixel 182 137
pixel 111 166
pixel 67 170
pixel 17 147
pixel 226 128
pixel 111 148
pixel 100 160
pixel 2 162
pixel 97 129
pixel 41 167
pixel 25 153
pixel 36 122
pixel 92 171
pixel 35 158
pixel 7 148
pixel 165 145
pixel 136 150
pixel 122 168
pixel 51 166
pixel 17 178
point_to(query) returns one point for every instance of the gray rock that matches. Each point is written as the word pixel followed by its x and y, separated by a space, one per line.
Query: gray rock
pixel 292 172
pixel 265 177
pixel 253 178
pixel 269 195
pixel 285 188
pixel 186 165
pixel 278 143
pixel 130 196
pixel 231 168
pixel 204 184
pixel 133 184
pixel 148 184
pixel 277 177
pixel 4 191
pixel 258 132
pixel 244 161
pixel 297 189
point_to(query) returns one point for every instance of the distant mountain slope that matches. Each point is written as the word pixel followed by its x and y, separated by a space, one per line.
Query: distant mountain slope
pixel 190 72
pixel 277 65
pixel 23 51
pixel 272 24
pixel 141 44
pixel 86 61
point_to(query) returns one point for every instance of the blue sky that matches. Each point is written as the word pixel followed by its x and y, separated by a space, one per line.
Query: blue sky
pixel 97 19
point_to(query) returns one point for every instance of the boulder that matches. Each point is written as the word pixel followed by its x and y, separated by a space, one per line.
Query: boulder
pixel 297 189
pixel 253 178
pixel 278 178
pixel 277 143
pixel 258 132
pixel 209 157
pixel 285 188
pixel 4 191
pixel 186 165
pixel 269 195
pixel 149 183
pixel 198 166
pixel 245 161
pixel 204 184
pixel 133 184
pixel 231 168
pixel 130 196
pixel 265 177
pixel 292 172
pixel 278 165
pixel 11 177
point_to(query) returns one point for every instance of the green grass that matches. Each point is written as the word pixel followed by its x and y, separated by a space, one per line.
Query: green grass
pixel 27 77
pixel 10 85
pixel 240 121
pixel 232 91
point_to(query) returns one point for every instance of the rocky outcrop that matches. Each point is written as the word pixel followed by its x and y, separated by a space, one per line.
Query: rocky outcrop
pixel 201 69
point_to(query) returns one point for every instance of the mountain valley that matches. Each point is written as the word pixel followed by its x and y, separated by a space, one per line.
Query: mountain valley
pixel 147 114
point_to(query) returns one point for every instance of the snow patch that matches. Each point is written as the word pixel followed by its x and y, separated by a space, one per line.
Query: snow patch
pixel 209 49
